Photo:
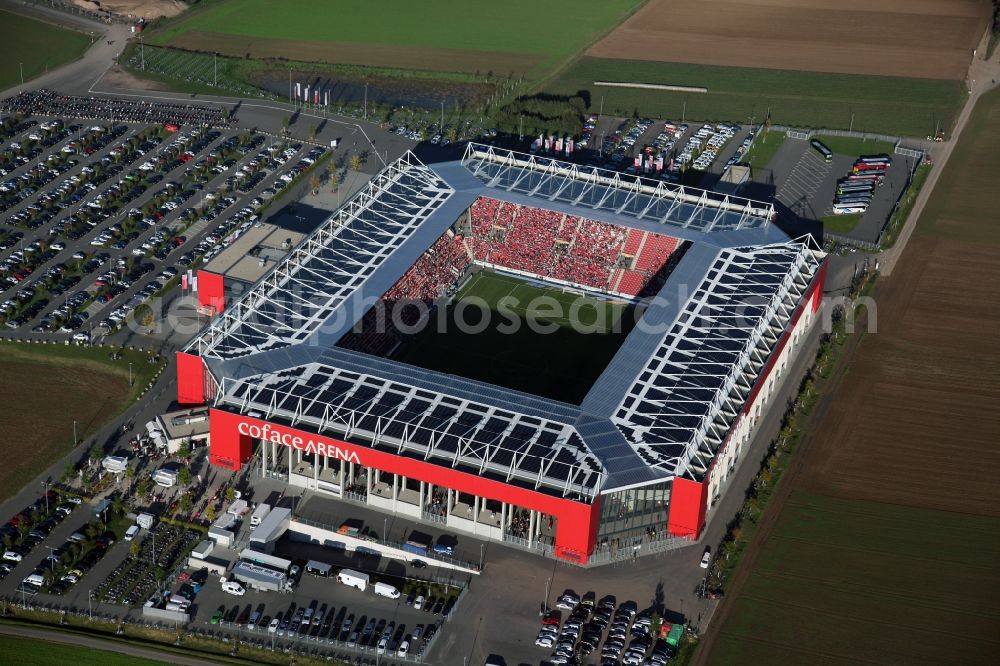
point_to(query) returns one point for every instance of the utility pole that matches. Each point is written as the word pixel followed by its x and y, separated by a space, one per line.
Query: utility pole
pixel 215 65
pixel 366 101
pixel 75 440
pixel 90 605
pixel 21 65
pixel 851 127
pixel 442 117
pixel 130 374
pixel 142 56
pixel 45 485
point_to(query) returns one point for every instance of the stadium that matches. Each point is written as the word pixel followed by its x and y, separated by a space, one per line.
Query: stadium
pixel 342 369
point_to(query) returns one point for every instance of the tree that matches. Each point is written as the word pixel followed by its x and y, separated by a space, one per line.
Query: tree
pixel 186 503
pixel 133 549
pixel 96 451
pixel 230 494
pixel 284 124
pixel 312 133
pixel 654 625
pixel 68 472
pixel 334 181
pixel 355 162
pixel 184 450
pixel 314 183
pixel 130 473
pixel 142 488
pixel 118 506
pixel 452 134
pixel 210 513
pixel 184 476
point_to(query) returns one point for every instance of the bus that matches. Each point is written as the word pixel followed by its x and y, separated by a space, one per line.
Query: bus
pixel 875 159
pixel 846 189
pixel 848 209
pixel 877 178
pixel 823 151
pixel 870 167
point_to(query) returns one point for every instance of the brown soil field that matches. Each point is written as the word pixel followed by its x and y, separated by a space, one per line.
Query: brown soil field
pixel 915 421
pixel 37 427
pixel 886 519
pixel 370 55
pixel 914 38
pixel 147 9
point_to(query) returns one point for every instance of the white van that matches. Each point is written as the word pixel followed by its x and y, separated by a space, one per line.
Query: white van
pixel 173 606
pixel 353 579
pixel 386 590
pixel 35 579
pixel 234 587
pixel 131 532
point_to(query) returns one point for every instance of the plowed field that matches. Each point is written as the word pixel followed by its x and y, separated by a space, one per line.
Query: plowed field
pixel 885 550
pixel 912 38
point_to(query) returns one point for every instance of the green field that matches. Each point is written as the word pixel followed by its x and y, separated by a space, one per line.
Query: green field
pixel 57 385
pixel 841 224
pixel 847 581
pixel 888 105
pixel 31 652
pixel 571 343
pixel 854 147
pixel 764 148
pixel 37 46
pixel 551 31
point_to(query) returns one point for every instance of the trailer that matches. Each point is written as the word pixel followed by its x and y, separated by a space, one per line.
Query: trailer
pixel 353 579
pixel 259 514
pixel 259 577
pixel 415 547
pixel 238 508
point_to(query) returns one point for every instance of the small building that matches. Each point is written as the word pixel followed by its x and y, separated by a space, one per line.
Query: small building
pixel 274 525
pixel 170 429
pixel 259 577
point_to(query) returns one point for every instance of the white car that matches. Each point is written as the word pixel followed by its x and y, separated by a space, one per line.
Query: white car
pixel 381 646
pixel 13 556
pixel 234 587
pixel 404 647
pixel 273 627
pixel 418 603
pixel 706 558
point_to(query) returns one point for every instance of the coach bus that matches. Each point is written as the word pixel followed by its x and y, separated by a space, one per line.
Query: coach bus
pixel 876 159
pixel 823 151
pixel 876 178
pixel 870 167
pixel 847 188
pixel 847 209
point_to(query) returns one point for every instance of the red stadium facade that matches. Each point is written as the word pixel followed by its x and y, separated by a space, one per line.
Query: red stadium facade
pixel 648 452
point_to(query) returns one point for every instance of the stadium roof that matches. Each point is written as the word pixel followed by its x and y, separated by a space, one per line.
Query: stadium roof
pixel 661 408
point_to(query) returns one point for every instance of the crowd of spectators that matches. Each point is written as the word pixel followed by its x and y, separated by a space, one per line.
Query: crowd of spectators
pixel 544 243
pixel 550 244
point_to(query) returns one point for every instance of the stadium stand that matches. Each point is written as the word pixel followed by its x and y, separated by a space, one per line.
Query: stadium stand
pixel 543 243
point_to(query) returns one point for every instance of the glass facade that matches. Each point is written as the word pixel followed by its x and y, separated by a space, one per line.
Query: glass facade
pixel 638 513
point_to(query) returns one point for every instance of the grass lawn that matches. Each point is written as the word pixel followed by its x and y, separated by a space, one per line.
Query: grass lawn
pixel 833 584
pixel 57 385
pixel 30 652
pixel 39 46
pixel 569 345
pixel 551 30
pixel 764 147
pixel 889 105
pixel 853 147
pixel 964 194
pixel 841 224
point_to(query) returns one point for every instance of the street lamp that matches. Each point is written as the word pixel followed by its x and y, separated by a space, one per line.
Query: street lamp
pixel 385 529
pixel 90 606
pixel 482 546
pixel 130 374
pixel 52 551
pixel 45 485
pixel 75 440
pixel 21 65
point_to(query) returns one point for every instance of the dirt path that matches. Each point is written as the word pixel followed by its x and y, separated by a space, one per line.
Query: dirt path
pixel 984 76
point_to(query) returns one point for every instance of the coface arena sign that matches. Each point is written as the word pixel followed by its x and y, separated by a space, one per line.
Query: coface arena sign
pixel 268 434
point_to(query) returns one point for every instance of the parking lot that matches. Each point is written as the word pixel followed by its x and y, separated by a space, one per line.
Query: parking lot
pixel 99 218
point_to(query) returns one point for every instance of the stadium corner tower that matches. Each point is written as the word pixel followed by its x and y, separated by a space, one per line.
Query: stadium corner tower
pixel 299 385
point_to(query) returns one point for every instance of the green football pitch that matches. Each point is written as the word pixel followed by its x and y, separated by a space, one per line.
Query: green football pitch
pixel 514 333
